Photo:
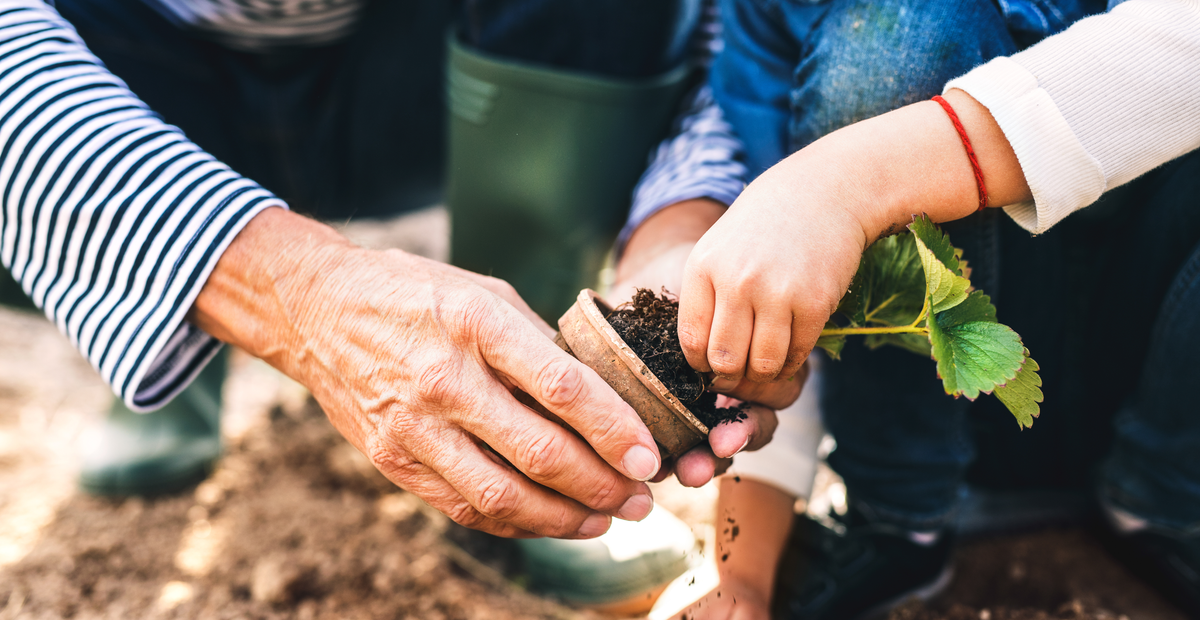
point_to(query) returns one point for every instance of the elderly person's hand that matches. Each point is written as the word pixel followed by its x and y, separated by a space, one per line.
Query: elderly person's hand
pixel 417 363
pixel 655 258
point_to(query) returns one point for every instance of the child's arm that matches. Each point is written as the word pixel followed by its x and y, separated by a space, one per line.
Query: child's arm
pixel 763 280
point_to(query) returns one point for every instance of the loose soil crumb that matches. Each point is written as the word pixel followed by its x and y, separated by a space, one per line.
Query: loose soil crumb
pixel 649 324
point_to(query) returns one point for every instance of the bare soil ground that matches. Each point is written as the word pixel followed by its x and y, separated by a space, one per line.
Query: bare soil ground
pixel 295 523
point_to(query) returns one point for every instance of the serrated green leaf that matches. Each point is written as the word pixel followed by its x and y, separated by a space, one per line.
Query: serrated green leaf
pixel 851 304
pixel 892 288
pixel 976 307
pixel 917 343
pixel 937 242
pixel 974 356
pixel 832 344
pixel 1023 393
pixel 943 275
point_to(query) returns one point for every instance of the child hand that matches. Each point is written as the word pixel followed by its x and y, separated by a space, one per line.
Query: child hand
pixel 763 280
pixel 761 283
pixel 654 258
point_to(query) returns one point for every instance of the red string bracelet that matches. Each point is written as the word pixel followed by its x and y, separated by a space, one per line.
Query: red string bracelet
pixel 962 133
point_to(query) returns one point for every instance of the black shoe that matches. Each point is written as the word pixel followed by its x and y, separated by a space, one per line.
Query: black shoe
pixel 1167 562
pixel 849 568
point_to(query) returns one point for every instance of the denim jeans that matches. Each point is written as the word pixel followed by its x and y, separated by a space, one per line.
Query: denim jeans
pixel 1107 301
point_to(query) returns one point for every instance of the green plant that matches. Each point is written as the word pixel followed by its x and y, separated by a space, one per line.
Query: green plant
pixel 913 290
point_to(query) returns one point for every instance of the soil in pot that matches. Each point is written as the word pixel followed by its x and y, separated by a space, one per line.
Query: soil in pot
pixel 649 324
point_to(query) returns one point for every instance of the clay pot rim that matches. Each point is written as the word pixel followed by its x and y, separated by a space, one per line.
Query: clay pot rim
pixel 590 303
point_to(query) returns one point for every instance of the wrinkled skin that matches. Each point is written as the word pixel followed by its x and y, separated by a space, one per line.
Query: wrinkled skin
pixel 417 363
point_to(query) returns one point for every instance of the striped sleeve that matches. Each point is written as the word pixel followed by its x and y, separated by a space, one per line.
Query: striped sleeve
pixel 110 219
pixel 703 158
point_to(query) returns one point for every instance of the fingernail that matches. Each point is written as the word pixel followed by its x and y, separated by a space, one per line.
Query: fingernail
pixel 745 443
pixel 721 384
pixel 594 525
pixel 640 463
pixel 636 508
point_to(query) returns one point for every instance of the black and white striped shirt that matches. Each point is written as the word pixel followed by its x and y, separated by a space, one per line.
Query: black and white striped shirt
pixel 112 220
pixel 702 158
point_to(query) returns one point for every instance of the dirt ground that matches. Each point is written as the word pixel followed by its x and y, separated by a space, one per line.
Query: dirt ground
pixel 295 523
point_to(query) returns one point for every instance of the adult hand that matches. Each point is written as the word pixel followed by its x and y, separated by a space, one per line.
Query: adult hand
pixel 654 259
pixel 416 364
pixel 762 282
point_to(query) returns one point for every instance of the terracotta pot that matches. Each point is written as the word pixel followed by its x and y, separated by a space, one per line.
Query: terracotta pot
pixel 587 335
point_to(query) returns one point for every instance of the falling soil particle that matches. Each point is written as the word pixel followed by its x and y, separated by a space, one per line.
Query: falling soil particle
pixel 650 326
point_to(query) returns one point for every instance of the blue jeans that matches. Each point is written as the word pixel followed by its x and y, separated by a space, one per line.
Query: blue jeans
pixel 1106 301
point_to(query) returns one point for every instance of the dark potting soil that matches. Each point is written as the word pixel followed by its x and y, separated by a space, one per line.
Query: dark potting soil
pixel 650 326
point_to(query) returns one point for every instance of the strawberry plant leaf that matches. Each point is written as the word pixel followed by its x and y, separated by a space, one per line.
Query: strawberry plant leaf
pixel 917 343
pixel 851 305
pixel 1023 393
pixel 937 242
pixel 974 353
pixel 832 344
pixel 945 285
pixel 892 282
pixel 914 291
pixel 976 307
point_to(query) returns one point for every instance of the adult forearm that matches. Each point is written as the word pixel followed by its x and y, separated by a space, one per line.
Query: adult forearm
pixel 255 298
pixel 679 224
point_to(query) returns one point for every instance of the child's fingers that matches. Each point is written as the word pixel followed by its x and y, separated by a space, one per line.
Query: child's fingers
pixel 775 395
pixel 769 344
pixel 729 340
pixel 807 323
pixel 696 303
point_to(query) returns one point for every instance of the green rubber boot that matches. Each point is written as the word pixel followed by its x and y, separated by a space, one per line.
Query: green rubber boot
pixel 161 452
pixel 621 572
pixel 11 294
pixel 542 163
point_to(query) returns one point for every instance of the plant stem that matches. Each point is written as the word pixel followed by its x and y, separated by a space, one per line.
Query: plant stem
pixel 924 307
pixel 880 307
pixel 853 331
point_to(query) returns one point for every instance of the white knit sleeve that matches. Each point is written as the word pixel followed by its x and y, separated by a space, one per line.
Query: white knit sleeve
pixel 110 219
pixel 1097 105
